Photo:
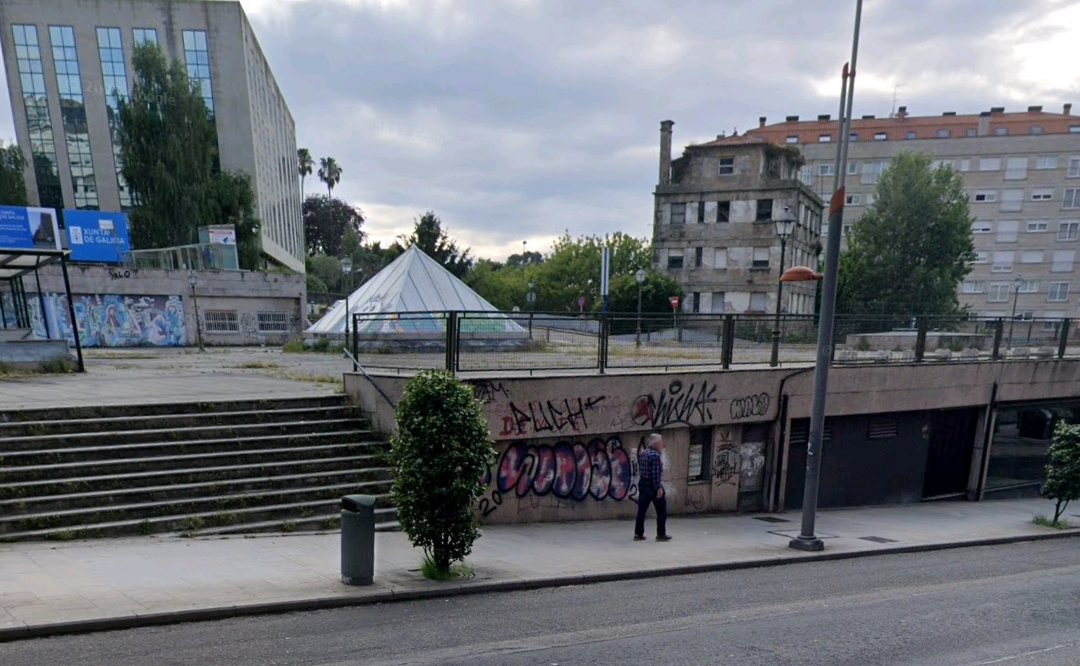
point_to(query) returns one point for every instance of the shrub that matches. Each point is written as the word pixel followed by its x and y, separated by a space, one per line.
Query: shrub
pixel 440 452
pixel 1063 468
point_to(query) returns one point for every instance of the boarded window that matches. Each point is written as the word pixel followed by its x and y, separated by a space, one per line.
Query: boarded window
pixel 699 466
pixel 273 322
pixel 885 426
pixel 221 321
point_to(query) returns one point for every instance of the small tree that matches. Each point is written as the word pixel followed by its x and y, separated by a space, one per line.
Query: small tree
pixel 440 452
pixel 1063 468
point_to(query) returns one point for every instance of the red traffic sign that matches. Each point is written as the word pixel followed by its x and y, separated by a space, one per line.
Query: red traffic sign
pixel 674 302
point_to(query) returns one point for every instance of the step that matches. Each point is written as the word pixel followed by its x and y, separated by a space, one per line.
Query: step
pixel 184 475
pixel 322 522
pixel 123 411
pixel 99 498
pixel 218 504
pixel 151 450
pixel 31 442
pixel 63 426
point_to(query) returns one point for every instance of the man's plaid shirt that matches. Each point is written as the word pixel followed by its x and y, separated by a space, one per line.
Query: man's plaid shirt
pixel 651 466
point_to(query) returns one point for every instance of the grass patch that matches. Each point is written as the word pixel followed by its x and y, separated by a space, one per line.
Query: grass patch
pixel 1043 521
pixel 456 572
pixel 259 365
pixel 288 526
pixel 320 346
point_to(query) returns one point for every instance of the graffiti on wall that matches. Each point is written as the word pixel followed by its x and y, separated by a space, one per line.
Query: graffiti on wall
pixel 112 320
pixel 678 403
pixel 750 406
pixel 725 458
pixel 487 391
pixel 548 416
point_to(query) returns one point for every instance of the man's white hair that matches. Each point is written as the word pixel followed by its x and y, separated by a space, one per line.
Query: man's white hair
pixel 653 440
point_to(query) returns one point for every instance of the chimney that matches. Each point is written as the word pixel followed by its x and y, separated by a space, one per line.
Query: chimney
pixel 1034 109
pixel 1068 109
pixel 792 119
pixel 949 114
pixel 994 110
pixel 823 116
pixel 984 123
pixel 901 113
pixel 868 117
pixel 761 122
pixel 665 151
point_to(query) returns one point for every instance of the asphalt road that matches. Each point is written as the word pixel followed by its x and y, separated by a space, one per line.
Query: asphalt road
pixel 1016 605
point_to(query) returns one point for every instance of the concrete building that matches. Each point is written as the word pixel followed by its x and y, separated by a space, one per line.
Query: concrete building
pixel 67 61
pixel 1021 169
pixel 714 226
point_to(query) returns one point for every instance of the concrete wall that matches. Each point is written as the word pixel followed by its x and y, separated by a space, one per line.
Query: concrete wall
pixel 596 423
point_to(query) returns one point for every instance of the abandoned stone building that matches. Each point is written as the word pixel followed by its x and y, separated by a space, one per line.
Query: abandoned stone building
pixel 723 211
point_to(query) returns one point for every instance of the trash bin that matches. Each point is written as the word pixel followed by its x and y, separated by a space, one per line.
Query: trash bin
pixel 357 539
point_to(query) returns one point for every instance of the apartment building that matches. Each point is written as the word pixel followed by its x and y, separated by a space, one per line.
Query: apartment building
pixel 1021 170
pixel 68 62
pixel 714 229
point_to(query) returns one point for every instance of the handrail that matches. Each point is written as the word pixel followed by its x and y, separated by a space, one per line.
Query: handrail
pixel 356 365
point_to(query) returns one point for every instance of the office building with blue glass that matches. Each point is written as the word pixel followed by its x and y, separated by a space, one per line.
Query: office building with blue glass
pixel 69 61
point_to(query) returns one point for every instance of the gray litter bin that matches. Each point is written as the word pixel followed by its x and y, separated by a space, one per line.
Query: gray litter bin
pixel 357 539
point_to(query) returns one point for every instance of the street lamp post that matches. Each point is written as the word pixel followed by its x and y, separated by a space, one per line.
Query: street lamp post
pixel 193 280
pixel 785 226
pixel 346 269
pixel 640 277
pixel 1018 281
pixel 530 298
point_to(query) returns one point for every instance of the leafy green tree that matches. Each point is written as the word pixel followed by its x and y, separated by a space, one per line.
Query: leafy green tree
pixel 502 286
pixel 572 269
pixel 525 259
pixel 327 270
pixel 429 236
pixel 326 220
pixel 233 202
pixel 329 174
pixel 656 293
pixel 12 180
pixel 440 452
pixel 910 251
pixel 305 163
pixel 1063 468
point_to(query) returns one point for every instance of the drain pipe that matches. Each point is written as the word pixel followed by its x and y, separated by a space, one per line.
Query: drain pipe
pixel 776 476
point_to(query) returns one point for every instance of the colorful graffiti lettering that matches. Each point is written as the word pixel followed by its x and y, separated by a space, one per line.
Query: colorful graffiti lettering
pixel 548 416
pixel 692 406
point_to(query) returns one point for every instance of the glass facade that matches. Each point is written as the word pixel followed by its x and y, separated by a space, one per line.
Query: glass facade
pixel 42 144
pixel 114 78
pixel 73 116
pixel 197 58
pixel 1022 437
pixel 143 35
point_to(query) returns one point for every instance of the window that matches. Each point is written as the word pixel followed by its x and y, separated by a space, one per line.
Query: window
pixel 853 137
pixel 144 35
pixel 1068 230
pixel 695 301
pixel 1035 129
pixel 1063 261
pixel 698 466
pixel 824 138
pixel 723 211
pixel 1074 168
pixel 758 301
pixel 872 170
pixel 197 58
pixel 1037 226
pixel 1074 129
pixel 1042 194
pixel 701 212
pixel 274 322
pixel 1016 168
pixel 971 131
pixel 1046 162
pixel 719 302
pixel 1072 198
pixel 990 164
pixel 675 259
pixel 761 257
pixel 985 196
pixel 854 200
pixel 727 166
pixel 981 257
pixel 974 287
pixel 73 116
pixel 1012 200
pixel 114 81
pixel 720 259
pixel 1006 231
pixel 678 213
pixel 870 199
pixel 1003 262
pixel 937 164
pixel 1031 256
pixel 943 134
pixel 909 135
pixel 1027 287
pixel 852 168
pixel 699 254
pixel 964 165
pixel 35 101
pixel 1057 292
pixel 1001 131
pixel 981 227
pixel 1049 326
pixel 999 292
pixel 221 321
pixel 764 210
pixel 880 136
pixel 826 169
pixel 792 138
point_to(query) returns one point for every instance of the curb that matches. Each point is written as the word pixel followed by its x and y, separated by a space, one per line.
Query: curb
pixel 325 603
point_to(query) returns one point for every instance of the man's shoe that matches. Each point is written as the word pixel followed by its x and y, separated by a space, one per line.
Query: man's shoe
pixel 639 537
pixel 663 537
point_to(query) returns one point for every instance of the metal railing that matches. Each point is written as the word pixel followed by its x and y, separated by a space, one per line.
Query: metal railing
pixel 494 341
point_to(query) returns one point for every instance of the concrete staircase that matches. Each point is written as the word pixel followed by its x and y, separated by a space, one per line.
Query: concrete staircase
pixel 189 469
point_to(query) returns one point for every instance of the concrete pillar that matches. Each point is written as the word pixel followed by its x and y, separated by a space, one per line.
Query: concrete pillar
pixel 665 151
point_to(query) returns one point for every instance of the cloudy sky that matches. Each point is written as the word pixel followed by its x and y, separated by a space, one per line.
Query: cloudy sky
pixel 518 119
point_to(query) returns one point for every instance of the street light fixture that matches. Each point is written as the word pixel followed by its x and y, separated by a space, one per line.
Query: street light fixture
pixel 346 269
pixel 785 226
pixel 193 279
pixel 640 277
pixel 1018 281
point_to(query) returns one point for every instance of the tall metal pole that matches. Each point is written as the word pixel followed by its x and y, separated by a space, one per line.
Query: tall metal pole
pixel 198 324
pixel 1012 320
pixel 637 338
pixel 807 540
pixel 774 359
pixel 71 313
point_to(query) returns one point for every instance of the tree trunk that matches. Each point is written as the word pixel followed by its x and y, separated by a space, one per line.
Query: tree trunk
pixel 1060 509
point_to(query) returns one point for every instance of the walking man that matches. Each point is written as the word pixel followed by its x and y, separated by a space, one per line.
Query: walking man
pixel 651 488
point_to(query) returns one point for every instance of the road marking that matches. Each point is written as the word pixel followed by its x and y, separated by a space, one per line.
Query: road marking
pixel 1021 655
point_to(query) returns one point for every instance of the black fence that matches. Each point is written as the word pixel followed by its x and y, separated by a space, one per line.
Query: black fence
pixel 494 341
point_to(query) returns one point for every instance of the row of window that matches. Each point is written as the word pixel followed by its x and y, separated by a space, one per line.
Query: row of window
pixel 228 321
pixel 704 212
pixel 1061 261
pixel 1013 199
pixel 1001 292
pixel 943 133
pixel 1008 230
pixel 1016 168
pixel 754 258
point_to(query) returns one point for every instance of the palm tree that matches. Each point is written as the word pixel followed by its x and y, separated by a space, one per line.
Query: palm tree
pixel 305 163
pixel 329 173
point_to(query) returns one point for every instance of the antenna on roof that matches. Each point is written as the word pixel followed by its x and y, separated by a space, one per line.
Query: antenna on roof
pixel 895 96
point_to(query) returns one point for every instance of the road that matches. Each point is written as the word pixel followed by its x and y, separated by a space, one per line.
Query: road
pixel 1016 605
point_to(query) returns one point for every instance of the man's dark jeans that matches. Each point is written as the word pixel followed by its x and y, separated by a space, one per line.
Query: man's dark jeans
pixel 647 496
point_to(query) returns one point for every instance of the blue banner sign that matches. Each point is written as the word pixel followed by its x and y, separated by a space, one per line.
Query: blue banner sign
pixel 30 229
pixel 97 236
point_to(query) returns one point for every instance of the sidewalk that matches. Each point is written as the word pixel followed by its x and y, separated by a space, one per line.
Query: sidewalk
pixel 90 585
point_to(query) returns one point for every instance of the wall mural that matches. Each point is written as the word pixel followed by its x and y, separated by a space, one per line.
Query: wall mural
pixel 112 320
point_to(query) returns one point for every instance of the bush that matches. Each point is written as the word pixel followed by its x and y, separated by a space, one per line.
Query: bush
pixel 440 452
pixel 1063 468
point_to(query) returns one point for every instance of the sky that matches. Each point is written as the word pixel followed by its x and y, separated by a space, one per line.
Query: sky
pixel 518 120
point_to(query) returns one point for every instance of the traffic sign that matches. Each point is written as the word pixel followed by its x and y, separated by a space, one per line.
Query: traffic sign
pixel 674 302
pixel 581 301
pixel 530 297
